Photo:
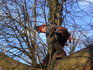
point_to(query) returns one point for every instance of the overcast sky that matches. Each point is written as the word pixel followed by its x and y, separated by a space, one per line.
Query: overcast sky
pixel 89 0
pixel 86 5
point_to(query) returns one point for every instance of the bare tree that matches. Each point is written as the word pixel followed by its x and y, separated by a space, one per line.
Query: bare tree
pixel 17 32
pixel 18 19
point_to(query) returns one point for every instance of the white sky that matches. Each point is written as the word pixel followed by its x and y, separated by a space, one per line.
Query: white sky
pixel 89 1
pixel 86 5
pixel 86 0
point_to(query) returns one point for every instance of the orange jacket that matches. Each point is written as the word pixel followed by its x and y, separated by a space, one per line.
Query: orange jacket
pixel 42 28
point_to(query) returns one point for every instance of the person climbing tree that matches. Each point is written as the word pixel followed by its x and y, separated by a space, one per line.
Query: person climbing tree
pixel 57 37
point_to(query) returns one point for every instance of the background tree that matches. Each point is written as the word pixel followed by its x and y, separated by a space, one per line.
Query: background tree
pixel 17 32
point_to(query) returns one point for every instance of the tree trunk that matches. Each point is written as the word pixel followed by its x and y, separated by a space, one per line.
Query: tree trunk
pixel 55 9
pixel 82 60
pixel 7 63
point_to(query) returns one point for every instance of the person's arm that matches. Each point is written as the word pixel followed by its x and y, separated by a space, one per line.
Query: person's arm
pixel 41 29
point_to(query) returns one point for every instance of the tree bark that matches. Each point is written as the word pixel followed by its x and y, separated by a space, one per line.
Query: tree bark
pixel 55 9
pixel 7 63
pixel 81 60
